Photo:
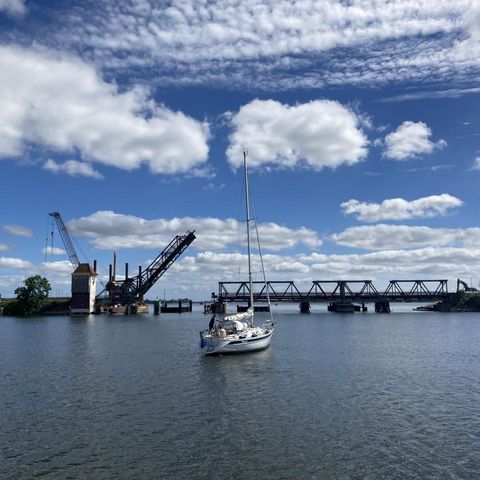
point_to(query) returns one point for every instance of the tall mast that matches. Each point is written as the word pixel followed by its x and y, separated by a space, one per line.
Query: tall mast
pixel 247 208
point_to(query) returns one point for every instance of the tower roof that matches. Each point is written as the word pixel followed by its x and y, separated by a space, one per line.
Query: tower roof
pixel 84 269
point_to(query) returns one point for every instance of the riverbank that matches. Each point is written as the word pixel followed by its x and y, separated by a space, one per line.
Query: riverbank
pixel 52 306
pixel 460 302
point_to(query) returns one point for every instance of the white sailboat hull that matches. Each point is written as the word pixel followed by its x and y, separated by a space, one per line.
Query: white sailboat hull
pixel 212 345
pixel 237 333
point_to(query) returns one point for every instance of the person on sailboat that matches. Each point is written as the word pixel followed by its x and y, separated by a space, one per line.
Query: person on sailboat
pixel 211 324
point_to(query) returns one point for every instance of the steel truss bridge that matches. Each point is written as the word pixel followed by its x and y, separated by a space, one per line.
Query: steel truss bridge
pixel 334 290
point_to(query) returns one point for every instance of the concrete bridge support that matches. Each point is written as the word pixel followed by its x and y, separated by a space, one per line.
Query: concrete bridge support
pixel 341 307
pixel 304 307
pixel 215 307
pixel 382 306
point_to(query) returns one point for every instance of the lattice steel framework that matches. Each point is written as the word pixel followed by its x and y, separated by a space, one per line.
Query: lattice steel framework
pixel 128 290
pixel 67 241
pixel 329 290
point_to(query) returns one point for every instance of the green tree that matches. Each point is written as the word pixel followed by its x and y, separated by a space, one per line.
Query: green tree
pixel 32 296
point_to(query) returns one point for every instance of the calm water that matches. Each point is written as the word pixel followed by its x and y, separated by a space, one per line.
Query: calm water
pixel 362 396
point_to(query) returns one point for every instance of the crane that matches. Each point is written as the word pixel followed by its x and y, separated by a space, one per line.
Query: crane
pixel 67 241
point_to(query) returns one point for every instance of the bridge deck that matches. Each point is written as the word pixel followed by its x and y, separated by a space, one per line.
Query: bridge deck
pixel 334 290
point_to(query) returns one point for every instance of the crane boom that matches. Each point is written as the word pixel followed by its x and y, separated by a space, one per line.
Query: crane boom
pixel 67 241
pixel 134 288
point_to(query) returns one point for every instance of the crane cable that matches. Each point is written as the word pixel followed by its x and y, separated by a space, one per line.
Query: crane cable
pixel 46 237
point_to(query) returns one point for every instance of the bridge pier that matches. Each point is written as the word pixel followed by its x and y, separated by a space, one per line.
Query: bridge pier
pixel 341 307
pixel 215 307
pixel 382 306
pixel 304 307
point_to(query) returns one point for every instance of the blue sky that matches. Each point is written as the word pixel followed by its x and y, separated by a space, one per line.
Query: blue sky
pixel 361 121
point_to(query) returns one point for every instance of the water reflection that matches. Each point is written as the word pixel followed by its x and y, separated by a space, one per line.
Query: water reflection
pixel 358 396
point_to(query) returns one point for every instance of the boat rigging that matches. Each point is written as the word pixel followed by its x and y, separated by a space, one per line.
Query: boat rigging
pixel 237 333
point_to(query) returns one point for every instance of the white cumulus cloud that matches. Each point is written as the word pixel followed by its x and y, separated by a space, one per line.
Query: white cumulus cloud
pixel 73 168
pixel 410 140
pixel 3 247
pixel 9 262
pixel 110 230
pixel 401 209
pixel 476 163
pixel 53 251
pixel 395 237
pixel 18 230
pixel 61 267
pixel 13 7
pixel 437 262
pixel 318 134
pixel 62 103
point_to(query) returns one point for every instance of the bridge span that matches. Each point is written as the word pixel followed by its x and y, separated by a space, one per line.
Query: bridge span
pixel 341 294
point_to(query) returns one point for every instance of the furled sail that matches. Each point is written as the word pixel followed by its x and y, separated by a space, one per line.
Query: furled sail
pixel 240 317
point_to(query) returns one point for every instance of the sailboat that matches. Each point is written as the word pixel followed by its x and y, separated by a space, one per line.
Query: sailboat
pixel 238 333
